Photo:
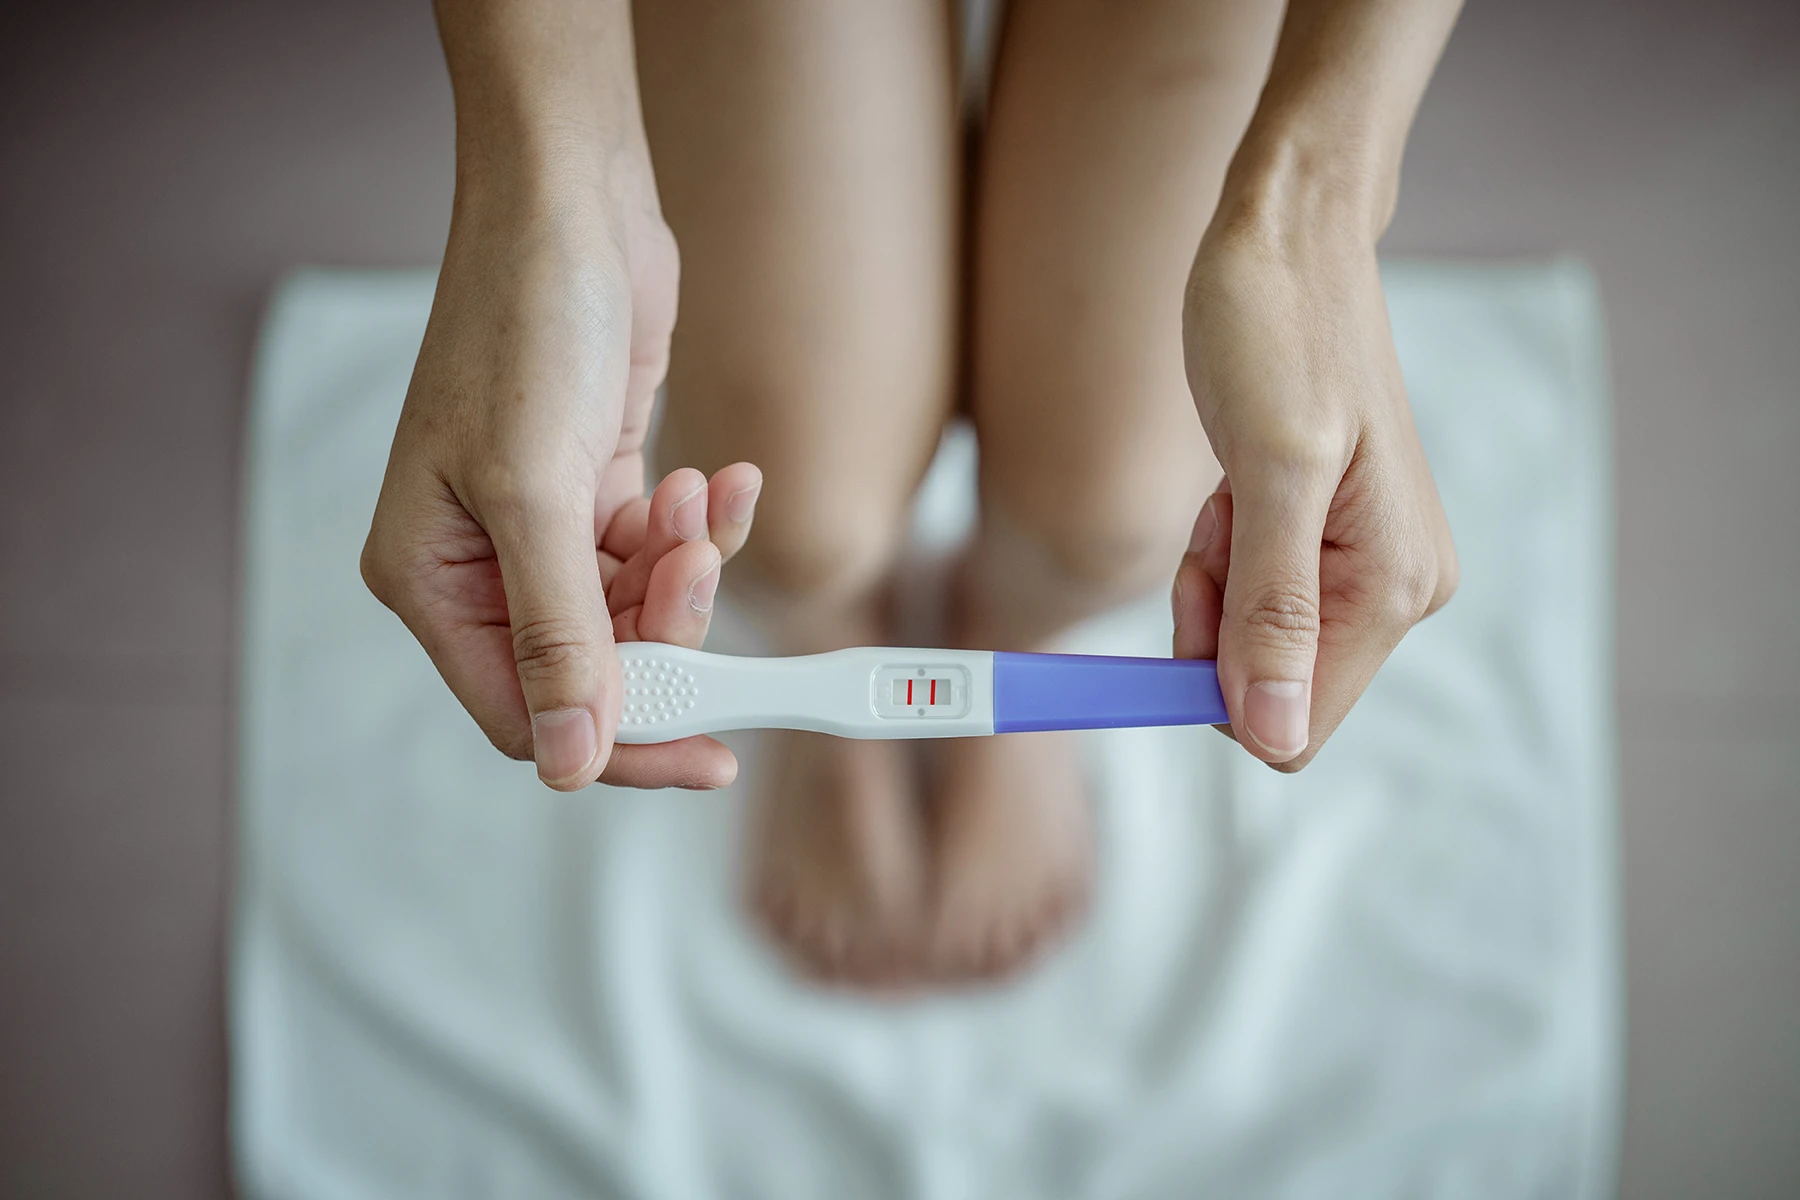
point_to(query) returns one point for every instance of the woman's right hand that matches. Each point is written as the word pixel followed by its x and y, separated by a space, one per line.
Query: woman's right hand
pixel 517 472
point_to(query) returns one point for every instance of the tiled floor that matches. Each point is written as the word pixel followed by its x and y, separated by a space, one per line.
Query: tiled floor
pixel 159 165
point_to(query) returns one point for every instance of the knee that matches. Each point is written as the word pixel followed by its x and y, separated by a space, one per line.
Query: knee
pixel 1111 541
pixel 811 548
pixel 835 501
pixel 1114 556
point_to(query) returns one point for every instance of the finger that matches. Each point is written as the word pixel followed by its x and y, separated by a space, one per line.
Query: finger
pixel 625 627
pixel 1449 570
pixel 696 763
pixel 1379 590
pixel 677 514
pixel 561 637
pixel 655 275
pixel 609 567
pixel 1201 582
pixel 731 506
pixel 678 602
pixel 1269 635
pixel 1215 559
pixel 475 659
pixel 621 486
pixel 1198 597
pixel 626 530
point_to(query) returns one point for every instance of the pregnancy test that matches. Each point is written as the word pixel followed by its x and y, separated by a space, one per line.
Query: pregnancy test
pixel 888 692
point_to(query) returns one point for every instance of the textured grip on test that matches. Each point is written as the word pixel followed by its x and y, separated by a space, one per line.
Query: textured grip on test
pixel 1086 691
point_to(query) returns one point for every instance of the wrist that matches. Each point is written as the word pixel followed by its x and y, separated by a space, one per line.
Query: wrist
pixel 553 166
pixel 551 141
pixel 1323 151
pixel 546 99
pixel 1292 183
pixel 550 164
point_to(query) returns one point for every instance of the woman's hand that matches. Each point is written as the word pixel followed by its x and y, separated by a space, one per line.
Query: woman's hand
pixel 515 488
pixel 1326 541
pixel 661 573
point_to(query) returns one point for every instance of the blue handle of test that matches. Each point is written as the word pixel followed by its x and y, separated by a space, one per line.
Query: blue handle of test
pixel 1089 691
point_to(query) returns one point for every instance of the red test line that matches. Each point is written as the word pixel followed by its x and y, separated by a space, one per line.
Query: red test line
pixel 933 691
pixel 909 691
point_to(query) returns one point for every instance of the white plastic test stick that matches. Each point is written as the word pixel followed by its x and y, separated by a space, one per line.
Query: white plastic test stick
pixel 897 692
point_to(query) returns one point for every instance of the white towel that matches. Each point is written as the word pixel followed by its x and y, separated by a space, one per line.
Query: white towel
pixel 1394 974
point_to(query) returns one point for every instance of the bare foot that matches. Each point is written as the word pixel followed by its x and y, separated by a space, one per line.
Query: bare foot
pixel 837 866
pixel 1012 843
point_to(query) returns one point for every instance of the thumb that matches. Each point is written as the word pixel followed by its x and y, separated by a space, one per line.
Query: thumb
pixel 1269 636
pixel 562 639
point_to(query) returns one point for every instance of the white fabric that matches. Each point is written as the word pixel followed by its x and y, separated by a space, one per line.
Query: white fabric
pixel 1392 975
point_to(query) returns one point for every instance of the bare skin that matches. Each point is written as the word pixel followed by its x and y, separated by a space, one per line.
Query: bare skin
pixel 838 869
pixel 1109 132
pixel 807 155
pixel 835 304
pixel 1106 143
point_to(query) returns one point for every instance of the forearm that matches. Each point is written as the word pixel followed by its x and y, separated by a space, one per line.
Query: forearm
pixel 1325 144
pixel 545 89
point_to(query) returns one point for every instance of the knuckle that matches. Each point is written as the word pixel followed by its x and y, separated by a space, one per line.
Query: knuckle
pixel 1402 587
pixel 374 573
pixel 1284 618
pixel 510 494
pixel 1449 575
pixel 550 648
pixel 1409 594
pixel 1302 450
pixel 1389 609
pixel 387 579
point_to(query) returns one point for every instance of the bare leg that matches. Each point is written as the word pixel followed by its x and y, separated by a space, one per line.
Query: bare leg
pixel 807 157
pixel 1110 130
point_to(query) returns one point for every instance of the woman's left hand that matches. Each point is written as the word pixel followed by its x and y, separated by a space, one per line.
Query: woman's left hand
pixel 1326 541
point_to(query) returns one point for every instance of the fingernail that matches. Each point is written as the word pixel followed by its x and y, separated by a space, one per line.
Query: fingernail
pixel 703 589
pixel 741 503
pixel 1275 716
pixel 1175 601
pixel 1205 526
pixel 563 742
pixel 689 518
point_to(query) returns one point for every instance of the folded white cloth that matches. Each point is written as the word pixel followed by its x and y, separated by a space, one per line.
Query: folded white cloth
pixel 1394 974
